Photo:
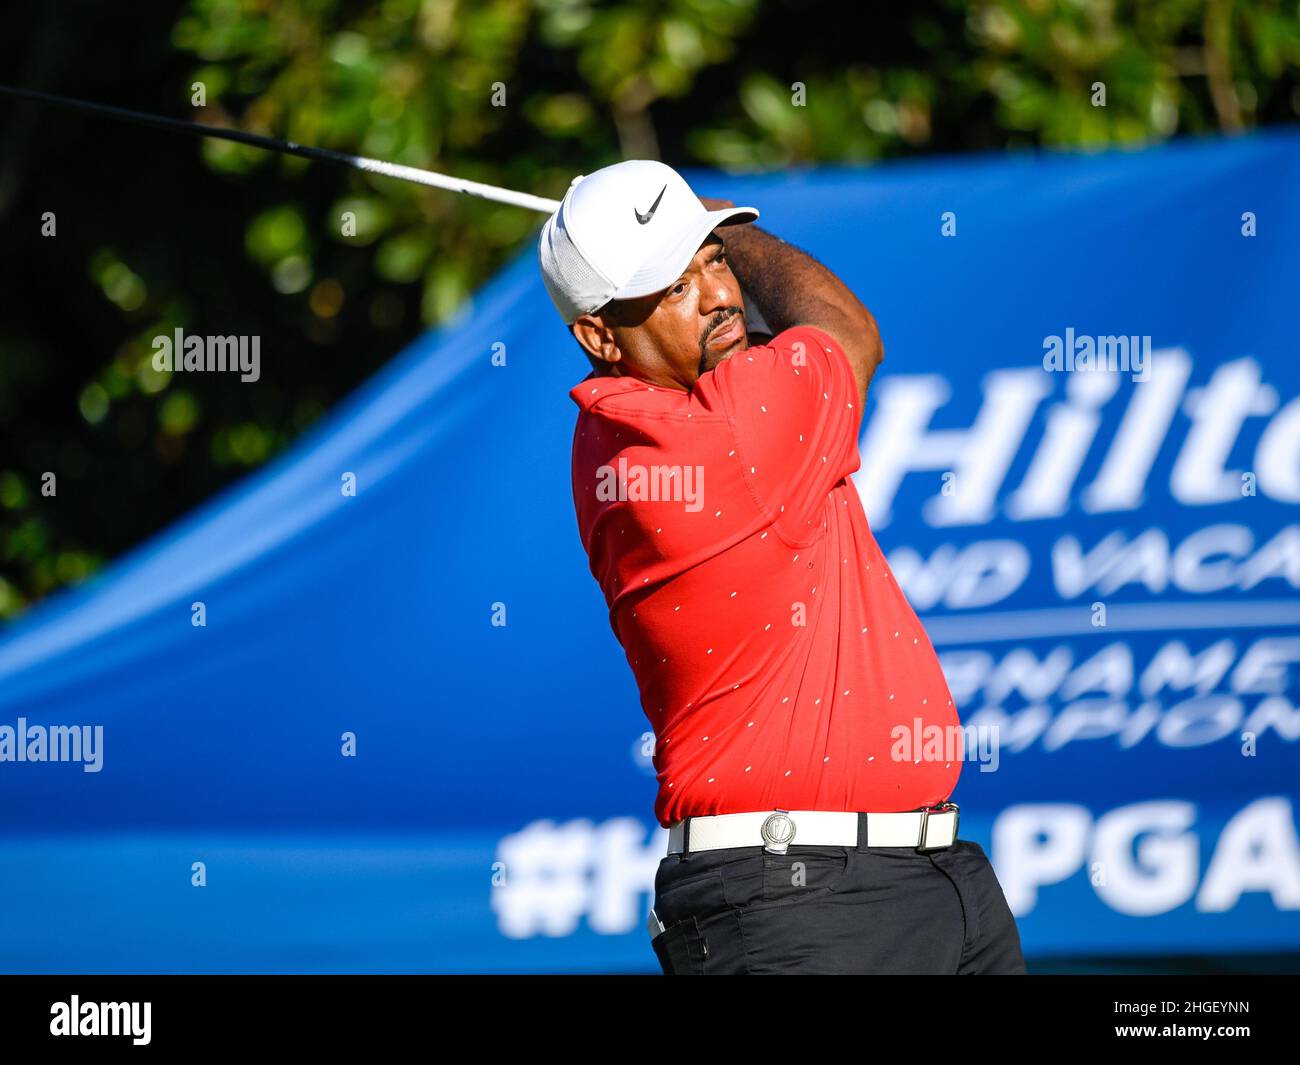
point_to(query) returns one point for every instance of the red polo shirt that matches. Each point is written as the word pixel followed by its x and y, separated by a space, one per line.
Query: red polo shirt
pixel 771 644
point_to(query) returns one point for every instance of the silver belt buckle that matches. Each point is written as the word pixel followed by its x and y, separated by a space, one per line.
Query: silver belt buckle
pixel 777 832
pixel 943 807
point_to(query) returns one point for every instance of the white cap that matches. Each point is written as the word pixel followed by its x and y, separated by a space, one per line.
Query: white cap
pixel 626 230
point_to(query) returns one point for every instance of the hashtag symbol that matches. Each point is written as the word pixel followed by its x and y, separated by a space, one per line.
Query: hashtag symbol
pixel 555 875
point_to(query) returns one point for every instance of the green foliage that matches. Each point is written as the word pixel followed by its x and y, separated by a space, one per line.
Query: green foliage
pixel 527 94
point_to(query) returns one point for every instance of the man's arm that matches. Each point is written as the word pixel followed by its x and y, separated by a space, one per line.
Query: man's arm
pixel 790 288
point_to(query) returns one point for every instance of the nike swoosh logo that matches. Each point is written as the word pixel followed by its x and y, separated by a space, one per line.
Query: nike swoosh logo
pixel 644 218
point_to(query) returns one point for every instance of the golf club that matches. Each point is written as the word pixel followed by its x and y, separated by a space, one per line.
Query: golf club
pixel 273 144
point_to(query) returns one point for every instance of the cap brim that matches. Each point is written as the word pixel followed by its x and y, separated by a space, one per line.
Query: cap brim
pixel 667 264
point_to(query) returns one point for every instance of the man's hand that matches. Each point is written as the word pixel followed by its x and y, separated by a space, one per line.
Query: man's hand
pixel 790 287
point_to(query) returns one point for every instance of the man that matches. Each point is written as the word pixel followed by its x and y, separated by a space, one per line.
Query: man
pixel 786 677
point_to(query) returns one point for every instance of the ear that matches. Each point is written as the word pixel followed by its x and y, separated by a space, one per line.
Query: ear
pixel 595 336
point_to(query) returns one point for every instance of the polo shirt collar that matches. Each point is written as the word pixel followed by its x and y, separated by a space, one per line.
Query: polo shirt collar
pixel 593 388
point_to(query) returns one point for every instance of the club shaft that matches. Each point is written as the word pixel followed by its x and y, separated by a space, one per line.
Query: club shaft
pixel 272 144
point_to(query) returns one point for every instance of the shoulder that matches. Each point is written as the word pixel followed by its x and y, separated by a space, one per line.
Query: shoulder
pixel 813 346
pixel 803 358
pixel 626 399
pixel 805 335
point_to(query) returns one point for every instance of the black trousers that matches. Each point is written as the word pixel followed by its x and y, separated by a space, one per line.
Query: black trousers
pixel 834 910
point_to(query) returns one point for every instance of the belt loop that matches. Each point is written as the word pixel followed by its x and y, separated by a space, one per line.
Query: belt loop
pixel 862 832
pixel 686 838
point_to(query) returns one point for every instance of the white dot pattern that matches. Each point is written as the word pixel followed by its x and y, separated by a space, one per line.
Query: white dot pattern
pixel 794 711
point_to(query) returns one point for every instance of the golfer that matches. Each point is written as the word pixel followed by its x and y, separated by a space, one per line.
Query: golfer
pixel 792 691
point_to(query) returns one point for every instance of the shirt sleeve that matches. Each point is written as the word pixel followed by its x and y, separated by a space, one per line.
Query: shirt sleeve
pixel 793 402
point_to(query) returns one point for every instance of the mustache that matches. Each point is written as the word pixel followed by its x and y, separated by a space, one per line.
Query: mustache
pixel 724 319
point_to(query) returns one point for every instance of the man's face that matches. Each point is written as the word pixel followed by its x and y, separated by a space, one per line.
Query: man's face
pixel 671 337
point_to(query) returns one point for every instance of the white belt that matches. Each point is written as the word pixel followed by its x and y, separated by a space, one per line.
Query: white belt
pixel 776 830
